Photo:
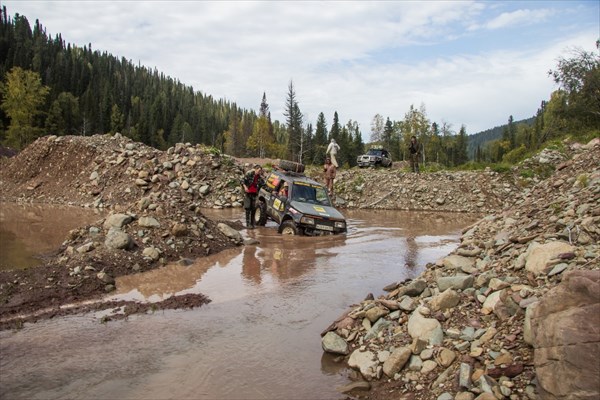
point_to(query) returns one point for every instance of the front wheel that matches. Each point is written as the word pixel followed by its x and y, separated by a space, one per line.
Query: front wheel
pixel 260 214
pixel 288 227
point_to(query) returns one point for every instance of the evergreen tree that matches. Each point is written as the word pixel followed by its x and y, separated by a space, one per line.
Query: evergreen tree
pixel 388 134
pixel 232 137
pixel 320 140
pixel 335 131
pixel 109 90
pixel 260 142
pixel 63 117
pixel 461 146
pixel 294 125
pixel 353 146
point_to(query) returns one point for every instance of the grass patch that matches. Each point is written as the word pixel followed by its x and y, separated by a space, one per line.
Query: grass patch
pixel 527 173
pixel 583 180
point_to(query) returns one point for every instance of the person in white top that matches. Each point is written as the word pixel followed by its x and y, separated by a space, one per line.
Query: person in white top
pixel 332 150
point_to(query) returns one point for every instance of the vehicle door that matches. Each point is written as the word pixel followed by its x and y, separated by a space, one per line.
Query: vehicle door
pixel 276 203
pixel 386 158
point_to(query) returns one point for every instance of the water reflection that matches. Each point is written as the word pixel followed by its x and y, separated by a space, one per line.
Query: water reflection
pixel 159 284
pixel 30 230
pixel 377 241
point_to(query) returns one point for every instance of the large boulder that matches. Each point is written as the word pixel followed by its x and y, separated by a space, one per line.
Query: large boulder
pixel 538 256
pixel 565 332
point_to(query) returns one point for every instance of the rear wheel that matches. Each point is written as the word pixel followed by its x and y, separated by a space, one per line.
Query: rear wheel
pixel 260 215
pixel 289 228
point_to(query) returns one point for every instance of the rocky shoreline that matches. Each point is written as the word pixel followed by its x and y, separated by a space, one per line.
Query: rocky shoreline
pixel 513 313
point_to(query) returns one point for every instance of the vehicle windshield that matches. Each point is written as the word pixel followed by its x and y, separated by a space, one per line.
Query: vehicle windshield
pixel 374 152
pixel 308 193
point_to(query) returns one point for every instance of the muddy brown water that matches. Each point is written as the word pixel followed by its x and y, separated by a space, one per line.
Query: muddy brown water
pixel 28 231
pixel 259 338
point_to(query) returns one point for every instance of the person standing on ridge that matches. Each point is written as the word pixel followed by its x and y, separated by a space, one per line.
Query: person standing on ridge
pixel 251 183
pixel 332 150
pixel 415 152
pixel 330 171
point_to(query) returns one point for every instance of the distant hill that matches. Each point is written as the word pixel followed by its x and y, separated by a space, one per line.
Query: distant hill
pixel 489 135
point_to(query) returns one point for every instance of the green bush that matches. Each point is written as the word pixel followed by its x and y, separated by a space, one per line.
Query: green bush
pixel 359 180
pixel 213 150
pixel 527 173
pixel 544 170
pixel 515 155
pixel 583 180
pixel 500 168
pixel 472 166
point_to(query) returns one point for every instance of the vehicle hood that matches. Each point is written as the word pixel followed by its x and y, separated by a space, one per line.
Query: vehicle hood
pixel 317 209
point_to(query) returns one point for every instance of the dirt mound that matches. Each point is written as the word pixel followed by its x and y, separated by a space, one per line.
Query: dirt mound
pixel 463 329
pixel 109 171
pixel 155 200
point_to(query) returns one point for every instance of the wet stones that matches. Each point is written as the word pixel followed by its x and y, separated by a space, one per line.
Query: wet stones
pixel 229 232
pixel 366 362
pixel 332 343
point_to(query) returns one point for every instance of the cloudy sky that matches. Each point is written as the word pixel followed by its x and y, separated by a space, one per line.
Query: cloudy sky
pixel 468 62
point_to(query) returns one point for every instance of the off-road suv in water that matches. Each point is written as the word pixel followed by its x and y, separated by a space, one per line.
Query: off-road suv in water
pixel 307 208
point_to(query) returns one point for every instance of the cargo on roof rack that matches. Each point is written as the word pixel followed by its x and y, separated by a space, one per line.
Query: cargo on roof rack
pixel 291 166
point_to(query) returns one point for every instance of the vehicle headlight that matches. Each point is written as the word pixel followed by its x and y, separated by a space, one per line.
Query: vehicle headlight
pixel 307 220
pixel 340 224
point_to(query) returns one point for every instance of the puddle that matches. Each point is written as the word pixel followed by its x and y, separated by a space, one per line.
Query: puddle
pixel 28 231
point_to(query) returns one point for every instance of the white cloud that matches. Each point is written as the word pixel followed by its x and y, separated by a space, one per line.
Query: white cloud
pixel 356 58
pixel 519 17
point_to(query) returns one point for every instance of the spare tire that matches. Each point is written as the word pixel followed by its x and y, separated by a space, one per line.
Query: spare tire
pixel 291 166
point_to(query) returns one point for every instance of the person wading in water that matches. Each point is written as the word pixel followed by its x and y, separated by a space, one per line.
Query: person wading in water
pixel 251 183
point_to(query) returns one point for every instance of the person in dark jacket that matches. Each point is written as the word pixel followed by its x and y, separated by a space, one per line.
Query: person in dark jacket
pixel 415 152
pixel 251 183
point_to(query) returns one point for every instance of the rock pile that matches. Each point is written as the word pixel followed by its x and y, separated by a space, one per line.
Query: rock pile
pixel 105 171
pixel 153 203
pixel 467 191
pixel 481 323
